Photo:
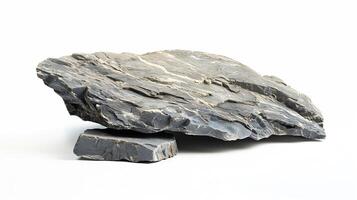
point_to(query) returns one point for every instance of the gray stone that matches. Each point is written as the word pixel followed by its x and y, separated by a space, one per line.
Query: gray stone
pixel 190 92
pixel 106 144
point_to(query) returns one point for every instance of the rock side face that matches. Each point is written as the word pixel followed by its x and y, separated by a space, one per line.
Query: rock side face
pixel 106 144
pixel 191 92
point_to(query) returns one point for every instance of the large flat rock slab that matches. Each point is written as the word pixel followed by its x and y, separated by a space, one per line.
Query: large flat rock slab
pixel 191 92
pixel 106 144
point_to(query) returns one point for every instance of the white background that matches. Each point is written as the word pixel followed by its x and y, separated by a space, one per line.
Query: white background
pixel 311 45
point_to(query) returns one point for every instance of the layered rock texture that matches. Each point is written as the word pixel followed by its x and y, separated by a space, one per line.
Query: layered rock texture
pixel 106 144
pixel 189 92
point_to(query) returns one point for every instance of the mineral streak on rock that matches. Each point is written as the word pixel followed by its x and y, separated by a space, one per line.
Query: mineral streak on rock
pixel 106 144
pixel 191 92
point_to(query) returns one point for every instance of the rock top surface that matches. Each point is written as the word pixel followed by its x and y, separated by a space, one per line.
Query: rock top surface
pixel 195 93
pixel 106 144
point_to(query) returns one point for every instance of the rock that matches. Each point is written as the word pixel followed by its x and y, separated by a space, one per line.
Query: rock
pixel 106 144
pixel 190 92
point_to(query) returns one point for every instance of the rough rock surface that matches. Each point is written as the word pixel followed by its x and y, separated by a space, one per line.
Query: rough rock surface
pixel 191 92
pixel 106 144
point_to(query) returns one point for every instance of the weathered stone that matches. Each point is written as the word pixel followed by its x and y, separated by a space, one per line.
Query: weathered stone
pixel 191 92
pixel 106 144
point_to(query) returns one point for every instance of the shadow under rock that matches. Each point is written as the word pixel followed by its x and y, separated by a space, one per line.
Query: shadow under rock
pixel 195 144
pixel 203 144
